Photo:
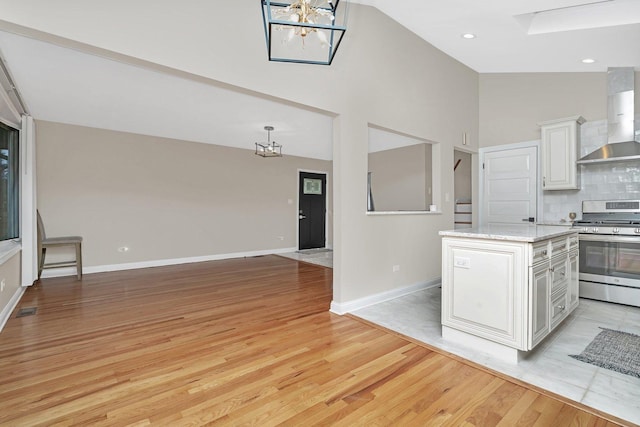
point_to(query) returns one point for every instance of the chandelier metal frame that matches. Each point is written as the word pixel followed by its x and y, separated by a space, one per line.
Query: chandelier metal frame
pixel 299 19
pixel 270 149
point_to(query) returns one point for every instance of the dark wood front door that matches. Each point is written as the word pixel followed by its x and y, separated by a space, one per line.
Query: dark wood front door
pixel 312 207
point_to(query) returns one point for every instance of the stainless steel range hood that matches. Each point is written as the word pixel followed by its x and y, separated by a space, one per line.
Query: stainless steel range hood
pixel 622 141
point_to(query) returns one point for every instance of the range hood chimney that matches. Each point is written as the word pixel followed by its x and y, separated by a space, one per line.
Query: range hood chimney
pixel 622 143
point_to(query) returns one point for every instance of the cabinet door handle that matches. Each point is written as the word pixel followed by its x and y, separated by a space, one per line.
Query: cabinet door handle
pixel 561 307
pixel 552 269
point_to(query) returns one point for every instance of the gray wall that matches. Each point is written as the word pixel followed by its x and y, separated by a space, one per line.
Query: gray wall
pixel 10 273
pixel 401 178
pixel 416 90
pixel 163 198
pixel 462 176
pixel 512 104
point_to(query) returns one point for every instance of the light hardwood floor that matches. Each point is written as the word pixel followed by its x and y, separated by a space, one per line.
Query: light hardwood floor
pixel 238 342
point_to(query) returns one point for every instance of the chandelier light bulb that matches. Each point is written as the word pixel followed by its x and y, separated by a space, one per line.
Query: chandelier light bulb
pixel 323 38
pixel 271 148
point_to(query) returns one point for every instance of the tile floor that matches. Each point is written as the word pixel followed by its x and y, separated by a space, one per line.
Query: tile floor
pixel 548 366
pixel 321 256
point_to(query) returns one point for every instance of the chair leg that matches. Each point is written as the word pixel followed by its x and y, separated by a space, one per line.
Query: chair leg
pixel 41 263
pixel 79 260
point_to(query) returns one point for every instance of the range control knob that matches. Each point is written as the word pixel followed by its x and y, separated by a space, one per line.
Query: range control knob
pixel 637 230
pixel 594 230
pixel 585 229
pixel 616 230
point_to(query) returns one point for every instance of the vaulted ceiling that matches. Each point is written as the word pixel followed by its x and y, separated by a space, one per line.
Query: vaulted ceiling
pixel 525 35
pixel 70 86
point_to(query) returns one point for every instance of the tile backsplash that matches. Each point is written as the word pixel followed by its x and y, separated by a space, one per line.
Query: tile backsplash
pixel 599 181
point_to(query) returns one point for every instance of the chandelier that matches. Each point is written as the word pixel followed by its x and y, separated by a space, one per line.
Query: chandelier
pixel 270 149
pixel 303 31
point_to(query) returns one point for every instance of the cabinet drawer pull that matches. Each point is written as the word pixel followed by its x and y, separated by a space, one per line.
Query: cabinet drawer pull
pixel 561 307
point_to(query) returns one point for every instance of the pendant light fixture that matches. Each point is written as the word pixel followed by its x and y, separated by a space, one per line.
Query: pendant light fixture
pixel 303 31
pixel 270 149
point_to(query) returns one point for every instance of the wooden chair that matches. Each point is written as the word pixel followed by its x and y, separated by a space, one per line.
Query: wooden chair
pixel 45 242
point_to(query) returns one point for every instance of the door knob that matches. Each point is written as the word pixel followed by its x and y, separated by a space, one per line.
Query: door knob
pixel 301 217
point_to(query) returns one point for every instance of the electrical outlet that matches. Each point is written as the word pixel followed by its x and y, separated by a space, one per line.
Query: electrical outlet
pixel 2 285
pixel 461 262
pixel 395 268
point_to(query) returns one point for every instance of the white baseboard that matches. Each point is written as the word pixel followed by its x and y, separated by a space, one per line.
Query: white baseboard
pixel 8 309
pixel 71 271
pixel 353 305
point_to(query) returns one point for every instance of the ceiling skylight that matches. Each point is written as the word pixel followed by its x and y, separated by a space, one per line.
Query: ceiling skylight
pixel 598 14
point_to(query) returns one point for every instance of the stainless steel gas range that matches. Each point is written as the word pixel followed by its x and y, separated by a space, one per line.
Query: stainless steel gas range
pixel 609 234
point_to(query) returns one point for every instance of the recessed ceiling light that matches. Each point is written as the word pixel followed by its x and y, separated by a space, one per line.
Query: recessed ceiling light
pixel 468 36
pixel 588 61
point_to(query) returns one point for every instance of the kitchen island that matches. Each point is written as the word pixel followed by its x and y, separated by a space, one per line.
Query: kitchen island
pixel 506 287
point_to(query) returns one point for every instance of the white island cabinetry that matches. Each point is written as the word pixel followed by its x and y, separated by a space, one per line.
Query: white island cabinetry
pixel 505 288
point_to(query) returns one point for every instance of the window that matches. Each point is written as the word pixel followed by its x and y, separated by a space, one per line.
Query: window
pixel 9 183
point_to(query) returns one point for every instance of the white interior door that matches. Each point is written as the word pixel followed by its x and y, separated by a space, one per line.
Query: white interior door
pixel 510 186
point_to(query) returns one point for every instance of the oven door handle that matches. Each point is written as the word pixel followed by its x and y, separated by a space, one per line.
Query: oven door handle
pixel 608 238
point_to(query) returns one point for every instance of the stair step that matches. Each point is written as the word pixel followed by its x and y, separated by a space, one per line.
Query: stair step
pixel 463 208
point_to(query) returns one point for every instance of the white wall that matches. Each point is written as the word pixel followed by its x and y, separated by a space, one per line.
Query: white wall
pixel 383 75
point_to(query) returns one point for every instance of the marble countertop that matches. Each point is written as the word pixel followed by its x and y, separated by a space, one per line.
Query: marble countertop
pixel 556 223
pixel 513 232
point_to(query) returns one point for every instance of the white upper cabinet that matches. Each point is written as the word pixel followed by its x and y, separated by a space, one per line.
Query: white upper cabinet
pixel 560 140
